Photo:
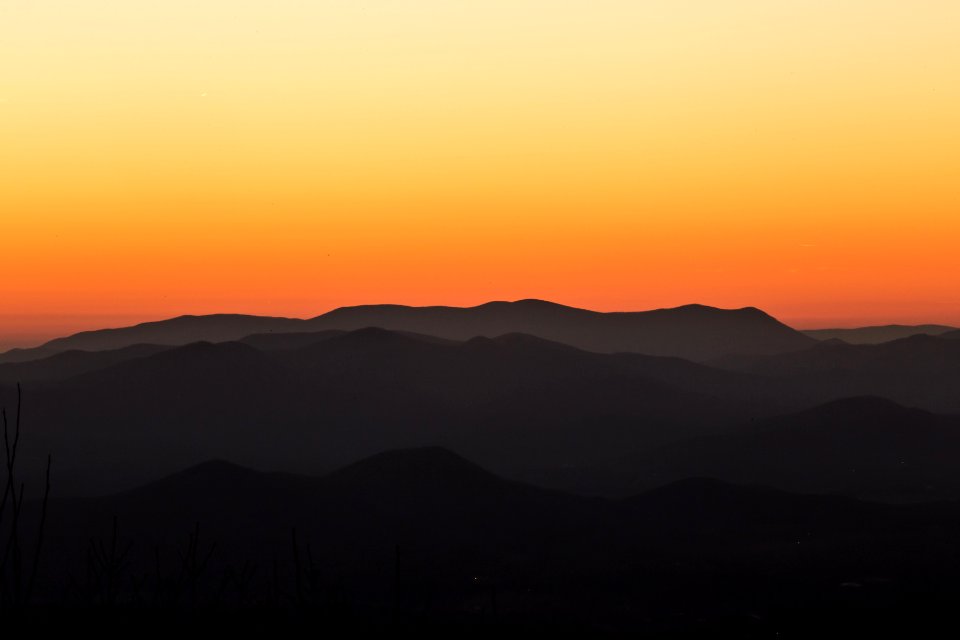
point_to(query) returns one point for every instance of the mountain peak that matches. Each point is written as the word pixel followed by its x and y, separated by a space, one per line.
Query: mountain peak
pixel 429 464
pixel 537 303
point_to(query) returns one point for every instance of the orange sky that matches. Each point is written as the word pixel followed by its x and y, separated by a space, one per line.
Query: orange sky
pixel 288 157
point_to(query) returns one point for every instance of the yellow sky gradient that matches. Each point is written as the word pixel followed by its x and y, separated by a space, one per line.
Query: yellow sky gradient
pixel 287 157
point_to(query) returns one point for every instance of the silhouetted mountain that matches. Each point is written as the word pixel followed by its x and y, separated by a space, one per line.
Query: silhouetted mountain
pixel 441 496
pixel 173 332
pixel 209 491
pixel 441 509
pixel 921 371
pixel 878 334
pixel 695 332
pixel 423 486
pixel 514 402
pixel 428 481
pixel 403 482
pixel 864 447
pixel 72 363
pixel 951 335
pixel 425 533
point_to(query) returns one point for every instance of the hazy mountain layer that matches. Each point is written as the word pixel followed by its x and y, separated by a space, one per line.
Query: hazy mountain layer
pixel 922 371
pixel 878 334
pixel 863 447
pixel 694 332
pixel 511 402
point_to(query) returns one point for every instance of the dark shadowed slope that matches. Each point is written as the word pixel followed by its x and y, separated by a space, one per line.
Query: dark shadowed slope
pixel 433 499
pixel 72 363
pixel 430 500
pixel 878 334
pixel 694 331
pixel 921 371
pixel 436 488
pixel 426 479
pixel 513 402
pixel 417 487
pixel 951 335
pixel 404 483
pixel 863 447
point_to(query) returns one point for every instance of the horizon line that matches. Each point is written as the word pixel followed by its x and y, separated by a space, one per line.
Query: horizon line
pixel 21 340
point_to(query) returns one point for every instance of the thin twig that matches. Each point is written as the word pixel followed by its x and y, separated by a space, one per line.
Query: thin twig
pixel 43 524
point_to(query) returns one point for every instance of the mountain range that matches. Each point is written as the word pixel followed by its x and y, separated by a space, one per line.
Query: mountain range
pixel 512 402
pixel 523 406
pixel 673 471
pixel 300 396
pixel 694 332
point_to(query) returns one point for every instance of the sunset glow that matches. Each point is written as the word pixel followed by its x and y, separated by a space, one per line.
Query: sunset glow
pixel 288 157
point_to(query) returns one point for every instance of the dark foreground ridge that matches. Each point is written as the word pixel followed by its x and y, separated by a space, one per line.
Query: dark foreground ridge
pixel 425 538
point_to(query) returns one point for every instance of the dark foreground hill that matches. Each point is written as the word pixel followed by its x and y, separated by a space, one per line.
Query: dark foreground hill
pixel 423 536
pixel 694 332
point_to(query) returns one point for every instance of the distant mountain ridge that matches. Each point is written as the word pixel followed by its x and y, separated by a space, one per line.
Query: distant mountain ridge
pixel 878 334
pixel 170 332
pixel 694 332
pixel 921 370
pixel 74 362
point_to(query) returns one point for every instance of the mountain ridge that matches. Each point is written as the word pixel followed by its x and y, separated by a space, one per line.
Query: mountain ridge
pixel 864 447
pixel 878 333
pixel 694 331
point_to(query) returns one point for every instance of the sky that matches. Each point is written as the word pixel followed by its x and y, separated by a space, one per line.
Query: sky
pixel 292 156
